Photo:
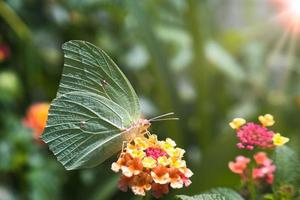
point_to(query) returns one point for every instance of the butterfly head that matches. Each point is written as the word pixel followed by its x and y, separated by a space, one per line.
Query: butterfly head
pixel 140 127
pixel 143 125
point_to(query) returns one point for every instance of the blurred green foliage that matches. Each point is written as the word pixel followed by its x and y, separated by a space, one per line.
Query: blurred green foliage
pixel 208 61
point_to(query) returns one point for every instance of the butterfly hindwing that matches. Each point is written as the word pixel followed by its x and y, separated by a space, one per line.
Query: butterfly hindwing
pixel 84 129
pixel 95 103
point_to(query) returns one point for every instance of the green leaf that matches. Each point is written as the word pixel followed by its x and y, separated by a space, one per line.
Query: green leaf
pixel 223 61
pixel 44 179
pixel 10 86
pixel 287 167
pixel 95 103
pixel 215 194
pixel 106 190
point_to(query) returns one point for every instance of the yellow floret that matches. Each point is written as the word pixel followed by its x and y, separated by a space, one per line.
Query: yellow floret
pixel 236 123
pixel 163 160
pixel 177 153
pixel 177 163
pixel 149 162
pixel 137 154
pixel 171 142
pixel 279 140
pixel 140 143
pixel 266 120
pixel 152 139
pixel 131 147
pixel 168 145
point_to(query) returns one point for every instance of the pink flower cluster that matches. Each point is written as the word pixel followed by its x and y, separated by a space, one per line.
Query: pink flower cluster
pixel 155 153
pixel 251 135
pixel 264 170
pixel 239 165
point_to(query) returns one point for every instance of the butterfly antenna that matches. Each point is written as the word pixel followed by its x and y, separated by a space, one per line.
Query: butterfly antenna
pixel 161 117
pixel 165 119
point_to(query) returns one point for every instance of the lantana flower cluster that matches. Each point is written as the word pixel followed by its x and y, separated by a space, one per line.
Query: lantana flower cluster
pixel 257 174
pixel 262 172
pixel 148 164
pixel 253 135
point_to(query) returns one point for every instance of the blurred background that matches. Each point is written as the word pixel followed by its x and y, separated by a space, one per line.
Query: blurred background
pixel 208 61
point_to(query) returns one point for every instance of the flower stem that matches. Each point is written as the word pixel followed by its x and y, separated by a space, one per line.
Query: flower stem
pixel 251 187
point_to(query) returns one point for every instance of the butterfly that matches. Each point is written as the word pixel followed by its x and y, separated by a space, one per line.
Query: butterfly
pixel 96 109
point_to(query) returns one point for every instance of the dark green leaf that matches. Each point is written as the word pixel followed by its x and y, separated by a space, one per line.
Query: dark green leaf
pixel 287 167
pixel 214 194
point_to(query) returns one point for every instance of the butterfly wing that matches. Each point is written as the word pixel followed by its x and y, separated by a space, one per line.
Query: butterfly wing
pixel 88 68
pixel 94 104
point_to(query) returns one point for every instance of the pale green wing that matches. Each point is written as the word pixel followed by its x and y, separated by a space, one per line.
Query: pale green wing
pixel 84 129
pixel 94 104
pixel 88 68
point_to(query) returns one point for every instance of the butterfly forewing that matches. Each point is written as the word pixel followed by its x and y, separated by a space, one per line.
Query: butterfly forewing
pixel 95 103
pixel 88 68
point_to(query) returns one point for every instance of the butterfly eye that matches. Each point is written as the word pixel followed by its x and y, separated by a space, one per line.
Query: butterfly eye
pixel 146 122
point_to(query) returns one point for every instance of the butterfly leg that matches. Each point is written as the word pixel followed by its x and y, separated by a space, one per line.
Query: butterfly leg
pixel 123 149
pixel 123 146
pixel 147 133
